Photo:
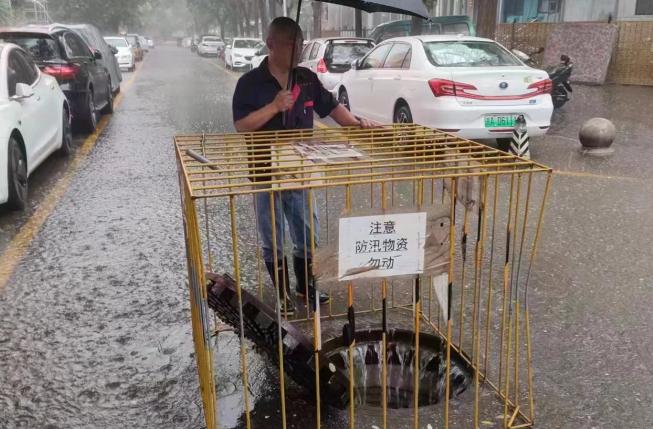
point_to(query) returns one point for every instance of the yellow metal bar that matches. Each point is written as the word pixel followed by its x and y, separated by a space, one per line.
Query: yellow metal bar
pixel 488 319
pixel 452 251
pixel 282 384
pixel 504 312
pixel 200 192
pixel 243 352
pixel 197 289
pixel 476 334
pixel 317 334
pixel 292 170
pixel 352 397
pixel 529 363
pixel 384 370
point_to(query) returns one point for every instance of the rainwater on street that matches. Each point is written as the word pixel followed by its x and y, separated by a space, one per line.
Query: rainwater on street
pixel 95 322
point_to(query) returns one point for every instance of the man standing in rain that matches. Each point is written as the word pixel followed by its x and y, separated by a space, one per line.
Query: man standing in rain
pixel 260 102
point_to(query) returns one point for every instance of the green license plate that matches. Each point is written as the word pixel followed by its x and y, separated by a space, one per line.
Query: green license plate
pixel 500 121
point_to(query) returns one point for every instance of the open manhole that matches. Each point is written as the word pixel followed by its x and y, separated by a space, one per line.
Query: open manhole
pixel 368 369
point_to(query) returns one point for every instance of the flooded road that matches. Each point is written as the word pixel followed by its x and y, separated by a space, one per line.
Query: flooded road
pixel 95 321
pixel 95 326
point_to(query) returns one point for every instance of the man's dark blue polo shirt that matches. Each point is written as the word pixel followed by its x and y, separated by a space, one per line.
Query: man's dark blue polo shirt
pixel 258 87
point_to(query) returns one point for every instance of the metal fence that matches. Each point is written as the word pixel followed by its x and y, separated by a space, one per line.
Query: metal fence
pixel 433 328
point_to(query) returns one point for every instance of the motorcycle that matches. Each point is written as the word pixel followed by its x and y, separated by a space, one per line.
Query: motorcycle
pixel 559 76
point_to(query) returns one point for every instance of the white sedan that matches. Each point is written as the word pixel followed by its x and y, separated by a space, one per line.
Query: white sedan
pixel 125 56
pixel 34 122
pixel 240 51
pixel 468 86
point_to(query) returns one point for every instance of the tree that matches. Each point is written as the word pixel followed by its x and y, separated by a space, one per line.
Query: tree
pixel 121 13
pixel 5 12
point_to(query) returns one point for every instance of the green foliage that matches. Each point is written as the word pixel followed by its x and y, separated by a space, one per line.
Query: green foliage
pixel 110 16
pixel 5 12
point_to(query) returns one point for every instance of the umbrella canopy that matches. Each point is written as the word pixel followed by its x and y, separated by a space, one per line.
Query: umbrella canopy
pixel 406 7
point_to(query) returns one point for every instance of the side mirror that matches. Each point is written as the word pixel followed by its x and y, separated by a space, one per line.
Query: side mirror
pixel 355 64
pixel 114 50
pixel 23 91
pixel 97 54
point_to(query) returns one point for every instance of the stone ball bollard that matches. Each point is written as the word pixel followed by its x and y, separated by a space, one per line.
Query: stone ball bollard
pixel 596 135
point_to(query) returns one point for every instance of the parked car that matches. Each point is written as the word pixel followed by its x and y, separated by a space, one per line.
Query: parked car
pixel 135 43
pixel 34 122
pixel 438 25
pixel 259 56
pixel 331 57
pixel 240 52
pixel 62 53
pixel 209 45
pixel 144 45
pixel 469 86
pixel 124 53
pixel 94 40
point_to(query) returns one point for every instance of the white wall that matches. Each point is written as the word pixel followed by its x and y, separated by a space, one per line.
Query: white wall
pixel 590 10
pixel 599 10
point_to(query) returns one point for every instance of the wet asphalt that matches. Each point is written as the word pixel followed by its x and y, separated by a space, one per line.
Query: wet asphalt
pixel 95 321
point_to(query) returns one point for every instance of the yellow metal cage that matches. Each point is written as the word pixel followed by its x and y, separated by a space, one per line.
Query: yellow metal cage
pixel 492 206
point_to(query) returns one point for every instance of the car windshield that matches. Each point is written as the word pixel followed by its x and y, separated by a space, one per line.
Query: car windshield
pixel 468 54
pixel 40 48
pixel 117 42
pixel 133 40
pixel 346 52
pixel 247 44
pixel 211 40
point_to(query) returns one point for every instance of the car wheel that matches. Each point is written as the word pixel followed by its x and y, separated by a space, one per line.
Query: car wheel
pixel 504 144
pixel 109 106
pixel 343 98
pixel 17 175
pixel 90 120
pixel 402 115
pixel 66 135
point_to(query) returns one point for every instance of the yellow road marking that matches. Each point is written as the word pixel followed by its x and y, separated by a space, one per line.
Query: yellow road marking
pixel 20 243
pixel 595 176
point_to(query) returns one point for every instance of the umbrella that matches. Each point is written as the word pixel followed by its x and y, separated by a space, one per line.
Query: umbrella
pixel 406 7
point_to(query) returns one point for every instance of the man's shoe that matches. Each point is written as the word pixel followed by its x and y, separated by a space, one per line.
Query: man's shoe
pixel 299 266
pixel 287 306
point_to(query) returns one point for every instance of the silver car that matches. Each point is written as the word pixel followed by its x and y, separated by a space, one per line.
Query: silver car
pixel 331 57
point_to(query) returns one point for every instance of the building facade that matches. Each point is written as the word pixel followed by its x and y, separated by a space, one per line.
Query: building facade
pixel 521 11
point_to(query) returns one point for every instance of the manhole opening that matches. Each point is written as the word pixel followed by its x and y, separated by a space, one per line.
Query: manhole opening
pixel 368 369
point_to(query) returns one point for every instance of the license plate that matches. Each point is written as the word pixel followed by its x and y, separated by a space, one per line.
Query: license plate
pixel 500 121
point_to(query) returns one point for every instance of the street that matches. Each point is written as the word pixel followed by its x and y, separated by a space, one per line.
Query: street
pixel 95 322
